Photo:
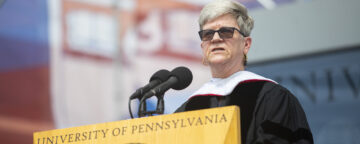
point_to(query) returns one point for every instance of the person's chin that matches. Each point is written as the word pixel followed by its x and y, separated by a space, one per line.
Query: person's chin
pixel 217 60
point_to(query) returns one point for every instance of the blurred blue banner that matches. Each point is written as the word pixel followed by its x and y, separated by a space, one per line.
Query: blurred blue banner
pixel 23 34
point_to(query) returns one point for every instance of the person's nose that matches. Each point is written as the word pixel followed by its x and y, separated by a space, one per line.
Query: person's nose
pixel 216 37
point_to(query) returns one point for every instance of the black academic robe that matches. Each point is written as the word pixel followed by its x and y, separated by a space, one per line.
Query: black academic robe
pixel 269 112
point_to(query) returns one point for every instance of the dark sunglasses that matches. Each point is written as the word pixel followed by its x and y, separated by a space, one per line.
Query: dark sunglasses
pixel 224 33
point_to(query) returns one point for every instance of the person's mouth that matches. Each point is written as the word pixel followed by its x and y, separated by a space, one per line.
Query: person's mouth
pixel 218 49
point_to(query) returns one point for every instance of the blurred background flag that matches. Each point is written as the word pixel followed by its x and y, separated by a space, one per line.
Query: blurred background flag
pixel 24 70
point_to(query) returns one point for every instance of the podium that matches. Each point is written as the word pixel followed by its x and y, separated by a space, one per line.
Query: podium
pixel 208 126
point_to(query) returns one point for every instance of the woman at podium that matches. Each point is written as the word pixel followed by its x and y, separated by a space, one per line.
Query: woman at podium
pixel 269 112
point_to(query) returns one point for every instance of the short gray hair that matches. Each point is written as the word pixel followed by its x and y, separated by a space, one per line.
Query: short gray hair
pixel 220 7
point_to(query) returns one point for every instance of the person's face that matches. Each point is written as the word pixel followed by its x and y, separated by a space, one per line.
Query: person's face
pixel 228 51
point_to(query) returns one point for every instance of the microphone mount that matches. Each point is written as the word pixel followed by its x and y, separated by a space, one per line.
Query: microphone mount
pixel 159 108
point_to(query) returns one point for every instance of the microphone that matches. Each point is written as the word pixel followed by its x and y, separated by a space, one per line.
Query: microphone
pixel 157 78
pixel 179 79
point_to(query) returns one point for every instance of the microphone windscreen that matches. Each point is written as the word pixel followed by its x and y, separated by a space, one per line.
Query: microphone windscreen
pixel 184 77
pixel 161 75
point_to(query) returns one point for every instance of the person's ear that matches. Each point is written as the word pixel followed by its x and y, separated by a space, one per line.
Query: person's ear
pixel 247 43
